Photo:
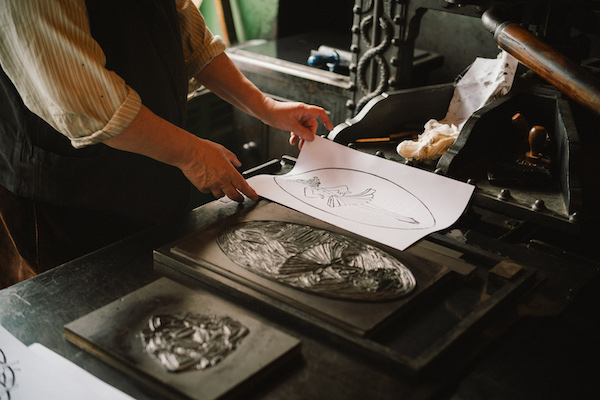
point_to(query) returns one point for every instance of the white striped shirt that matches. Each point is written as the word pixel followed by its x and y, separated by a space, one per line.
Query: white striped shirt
pixel 47 51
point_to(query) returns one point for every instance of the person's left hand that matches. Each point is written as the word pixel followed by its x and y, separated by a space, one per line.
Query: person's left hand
pixel 298 118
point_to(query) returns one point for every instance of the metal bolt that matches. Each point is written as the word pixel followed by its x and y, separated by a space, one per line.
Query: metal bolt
pixel 538 205
pixel 574 217
pixel 504 194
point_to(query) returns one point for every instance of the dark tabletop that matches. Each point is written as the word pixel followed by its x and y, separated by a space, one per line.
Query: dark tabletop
pixel 523 354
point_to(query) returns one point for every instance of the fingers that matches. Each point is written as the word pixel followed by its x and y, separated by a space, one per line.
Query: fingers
pixel 294 139
pixel 313 114
pixel 303 133
pixel 300 118
pixel 237 194
pixel 238 188
pixel 307 122
pixel 229 192
pixel 235 188
pixel 242 186
pixel 231 157
pixel 322 115
pixel 214 172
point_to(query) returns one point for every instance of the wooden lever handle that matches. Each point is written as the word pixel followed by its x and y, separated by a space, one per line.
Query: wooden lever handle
pixel 555 68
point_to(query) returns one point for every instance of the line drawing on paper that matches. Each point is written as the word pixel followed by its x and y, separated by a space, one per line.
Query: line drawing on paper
pixel 316 260
pixel 358 196
pixel 341 196
pixel 7 378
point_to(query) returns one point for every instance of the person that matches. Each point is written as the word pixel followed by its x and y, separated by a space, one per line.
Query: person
pixel 92 140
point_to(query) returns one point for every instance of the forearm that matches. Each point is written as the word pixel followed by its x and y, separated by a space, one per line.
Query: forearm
pixel 225 80
pixel 208 165
pixel 154 137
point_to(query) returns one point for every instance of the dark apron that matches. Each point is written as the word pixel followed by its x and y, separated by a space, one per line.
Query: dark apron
pixel 142 44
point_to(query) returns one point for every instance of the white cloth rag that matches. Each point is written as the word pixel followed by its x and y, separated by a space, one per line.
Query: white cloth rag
pixel 486 80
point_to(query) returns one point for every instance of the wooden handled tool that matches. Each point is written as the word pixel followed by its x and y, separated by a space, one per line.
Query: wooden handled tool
pixel 542 59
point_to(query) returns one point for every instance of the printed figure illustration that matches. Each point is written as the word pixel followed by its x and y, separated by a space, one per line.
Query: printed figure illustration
pixel 186 342
pixel 341 196
pixel 367 199
pixel 316 260
pixel 7 378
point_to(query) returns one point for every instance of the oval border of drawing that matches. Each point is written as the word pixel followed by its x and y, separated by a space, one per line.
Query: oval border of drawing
pixel 408 193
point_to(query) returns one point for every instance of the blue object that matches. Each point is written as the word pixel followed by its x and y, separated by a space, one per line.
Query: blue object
pixel 332 60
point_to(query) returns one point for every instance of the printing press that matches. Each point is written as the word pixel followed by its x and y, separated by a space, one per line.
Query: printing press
pixel 505 297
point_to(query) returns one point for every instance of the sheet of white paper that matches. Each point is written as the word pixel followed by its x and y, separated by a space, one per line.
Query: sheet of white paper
pixel 379 199
pixel 486 79
pixel 36 372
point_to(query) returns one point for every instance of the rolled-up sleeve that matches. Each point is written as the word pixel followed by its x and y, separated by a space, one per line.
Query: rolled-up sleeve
pixel 47 51
pixel 200 46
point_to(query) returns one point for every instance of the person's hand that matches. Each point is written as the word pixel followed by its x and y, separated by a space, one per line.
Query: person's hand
pixel 298 118
pixel 212 170
pixel 208 165
pixel 224 79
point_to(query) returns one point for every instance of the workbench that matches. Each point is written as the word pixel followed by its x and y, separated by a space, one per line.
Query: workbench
pixel 543 346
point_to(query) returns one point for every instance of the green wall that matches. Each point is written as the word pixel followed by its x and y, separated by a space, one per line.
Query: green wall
pixel 254 19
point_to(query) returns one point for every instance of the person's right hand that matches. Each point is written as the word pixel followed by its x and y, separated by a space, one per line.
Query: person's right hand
pixel 208 165
pixel 212 170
